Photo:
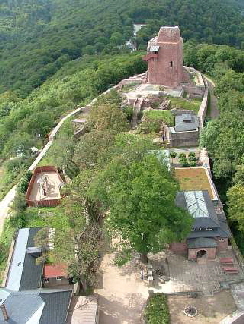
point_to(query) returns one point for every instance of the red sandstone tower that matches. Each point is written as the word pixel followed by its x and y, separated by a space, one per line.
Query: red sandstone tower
pixel 165 58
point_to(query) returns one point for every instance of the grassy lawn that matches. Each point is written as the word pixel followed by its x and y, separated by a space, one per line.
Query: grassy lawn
pixel 193 179
pixel 33 217
pixel 181 103
pixel 160 115
pixel 5 242
pixel 157 311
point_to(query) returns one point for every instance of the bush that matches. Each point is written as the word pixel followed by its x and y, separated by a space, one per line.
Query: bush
pixel 157 311
pixel 192 154
pixel 193 163
pixel 128 111
pixel 150 126
pixel 24 182
pixel 183 161
pixel 182 156
pixel 192 157
pixel 173 154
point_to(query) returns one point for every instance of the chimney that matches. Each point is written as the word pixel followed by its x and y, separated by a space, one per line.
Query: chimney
pixel 4 311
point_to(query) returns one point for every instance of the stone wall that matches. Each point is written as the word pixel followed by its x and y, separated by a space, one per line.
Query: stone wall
pixel 203 107
pixel 204 159
pixel 211 253
pixel 179 248
pixel 222 244
pixel 183 139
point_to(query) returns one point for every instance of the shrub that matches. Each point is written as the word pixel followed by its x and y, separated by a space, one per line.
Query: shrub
pixel 182 156
pixel 183 161
pixel 24 182
pixel 173 154
pixel 193 163
pixel 128 111
pixel 149 126
pixel 192 154
pixel 157 311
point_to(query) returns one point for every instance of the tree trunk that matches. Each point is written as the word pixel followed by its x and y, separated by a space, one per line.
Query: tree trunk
pixel 83 284
pixel 144 258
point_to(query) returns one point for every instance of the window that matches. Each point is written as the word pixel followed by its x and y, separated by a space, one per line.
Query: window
pixel 221 240
pixel 46 280
pixel 58 278
pixel 171 63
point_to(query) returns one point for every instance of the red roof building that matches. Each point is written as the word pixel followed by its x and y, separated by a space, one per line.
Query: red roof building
pixel 55 270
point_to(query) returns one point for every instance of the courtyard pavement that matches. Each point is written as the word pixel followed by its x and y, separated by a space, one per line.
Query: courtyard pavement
pixel 190 276
pixel 122 294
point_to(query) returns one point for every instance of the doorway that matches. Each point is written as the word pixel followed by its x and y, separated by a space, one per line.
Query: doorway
pixel 202 254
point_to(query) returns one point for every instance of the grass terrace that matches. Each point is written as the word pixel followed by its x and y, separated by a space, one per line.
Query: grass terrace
pixel 193 179
pixel 181 103
pixel 153 119
pixel 160 115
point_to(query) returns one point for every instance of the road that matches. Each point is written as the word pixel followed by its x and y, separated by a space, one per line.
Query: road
pixel 8 199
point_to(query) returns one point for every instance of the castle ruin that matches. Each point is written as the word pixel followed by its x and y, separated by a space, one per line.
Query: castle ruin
pixel 165 58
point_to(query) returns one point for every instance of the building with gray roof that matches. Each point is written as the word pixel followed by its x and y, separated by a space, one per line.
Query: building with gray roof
pixel 35 306
pixel 186 122
pixel 210 230
pixel 23 300
pixel 186 129
pixel 25 272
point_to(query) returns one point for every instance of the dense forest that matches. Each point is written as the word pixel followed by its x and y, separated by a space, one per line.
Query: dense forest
pixel 38 37
pixel 224 136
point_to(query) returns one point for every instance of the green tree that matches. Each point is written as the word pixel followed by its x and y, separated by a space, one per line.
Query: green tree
pixel 224 140
pixel 108 117
pixel 78 236
pixel 94 149
pixel 236 205
pixel 18 144
pixel 140 196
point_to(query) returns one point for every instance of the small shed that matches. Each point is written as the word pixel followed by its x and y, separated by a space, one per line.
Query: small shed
pixel 55 275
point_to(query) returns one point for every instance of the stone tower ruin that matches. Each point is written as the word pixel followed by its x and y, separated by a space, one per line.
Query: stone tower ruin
pixel 165 58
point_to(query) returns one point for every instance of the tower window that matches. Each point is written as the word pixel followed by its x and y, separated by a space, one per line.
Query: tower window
pixel 171 63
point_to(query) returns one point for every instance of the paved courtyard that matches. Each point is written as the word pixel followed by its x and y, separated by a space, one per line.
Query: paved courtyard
pixel 210 309
pixel 122 294
pixel 188 276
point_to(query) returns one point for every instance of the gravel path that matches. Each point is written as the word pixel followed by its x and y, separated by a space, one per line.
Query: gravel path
pixel 4 206
pixel 214 112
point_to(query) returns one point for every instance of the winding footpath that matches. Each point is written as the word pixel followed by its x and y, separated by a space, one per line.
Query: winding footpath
pixel 8 199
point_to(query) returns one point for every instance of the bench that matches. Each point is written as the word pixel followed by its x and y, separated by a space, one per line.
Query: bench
pixel 226 260
pixel 230 270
